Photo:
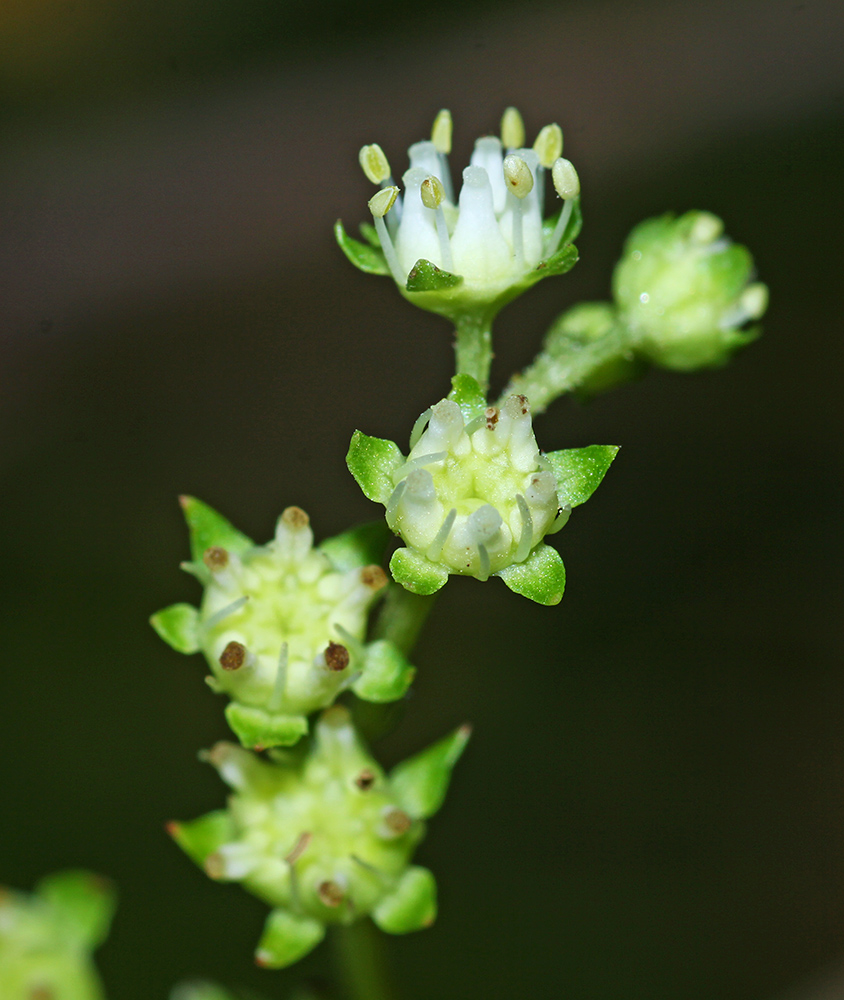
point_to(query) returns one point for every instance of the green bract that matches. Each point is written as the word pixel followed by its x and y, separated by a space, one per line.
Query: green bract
pixel 473 253
pixel 324 836
pixel 282 625
pixel 475 496
pixel 46 938
pixel 682 290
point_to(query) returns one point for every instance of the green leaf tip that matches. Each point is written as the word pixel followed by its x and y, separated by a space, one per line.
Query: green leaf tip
pixel 579 471
pixel 541 577
pixel 209 529
pixel 427 277
pixel 366 257
pixel 178 626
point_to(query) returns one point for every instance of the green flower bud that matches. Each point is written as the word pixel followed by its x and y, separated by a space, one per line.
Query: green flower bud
pixel 473 253
pixel 46 938
pixel 682 289
pixel 475 496
pixel 282 625
pixel 324 836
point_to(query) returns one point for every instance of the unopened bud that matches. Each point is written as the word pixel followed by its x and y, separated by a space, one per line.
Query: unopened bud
pixel 566 181
pixel 512 129
pixel 381 203
pixel 374 163
pixel 549 145
pixel 432 192
pixel 441 132
pixel 518 176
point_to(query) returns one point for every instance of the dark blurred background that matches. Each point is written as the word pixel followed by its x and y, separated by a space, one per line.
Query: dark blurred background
pixel 653 803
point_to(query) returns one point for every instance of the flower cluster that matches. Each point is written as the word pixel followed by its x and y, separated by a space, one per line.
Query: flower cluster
pixel 475 496
pixel 282 625
pixel 324 836
pixel 482 248
pixel 46 938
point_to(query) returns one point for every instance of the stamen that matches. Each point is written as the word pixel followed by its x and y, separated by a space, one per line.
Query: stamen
pixel 299 849
pixel 395 822
pixel 365 780
pixel 707 228
pixel 233 656
pixel 433 194
pixel 216 558
pixel 519 182
pixel 229 609
pixel 483 556
pixel 417 463
pixel 436 547
pixel 393 503
pixel 526 539
pixel 549 145
pixel 350 641
pixel 417 235
pixel 567 186
pixel 751 304
pixel 475 425
pixel 336 657
pixel 276 699
pixel 374 163
pixel 330 894
pixel 512 129
pixel 379 205
pixel 441 131
pixel 419 427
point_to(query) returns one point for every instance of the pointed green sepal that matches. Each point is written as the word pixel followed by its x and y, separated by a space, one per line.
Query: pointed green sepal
pixel 259 730
pixel 421 781
pixel 411 906
pixel 541 577
pixel 558 263
pixel 362 545
pixel 286 939
pixel 579 471
pixel 416 573
pixel 208 528
pixel 468 395
pixel 372 462
pixel 365 257
pixel 178 626
pixel 202 837
pixel 427 277
pixel 370 234
pixel 386 673
pixel 84 903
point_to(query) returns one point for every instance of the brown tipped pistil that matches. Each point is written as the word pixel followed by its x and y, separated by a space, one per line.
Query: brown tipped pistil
pixel 336 657
pixel 398 822
pixel 373 577
pixel 233 656
pixel 330 894
pixel 295 517
pixel 215 558
pixel 365 780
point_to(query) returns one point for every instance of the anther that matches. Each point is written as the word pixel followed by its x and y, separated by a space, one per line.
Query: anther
pixel 373 577
pixel 567 186
pixel 330 894
pixel 215 558
pixel 379 205
pixel 549 145
pixel 336 657
pixel 233 656
pixel 512 129
pixel 374 163
pixel 433 195
pixel 295 517
pixel 397 821
pixel 433 192
pixel 517 175
pixel 365 780
pixel 491 415
pixel 441 131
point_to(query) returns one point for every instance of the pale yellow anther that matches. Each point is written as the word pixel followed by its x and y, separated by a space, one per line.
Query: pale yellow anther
pixel 374 163
pixel 512 129
pixel 517 175
pixel 441 131
pixel 707 228
pixel 566 181
pixel 432 192
pixel 549 145
pixel 754 300
pixel 381 203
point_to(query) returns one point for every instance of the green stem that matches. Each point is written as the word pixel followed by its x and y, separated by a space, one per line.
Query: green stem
pixel 473 346
pixel 570 364
pixel 361 962
pixel 402 616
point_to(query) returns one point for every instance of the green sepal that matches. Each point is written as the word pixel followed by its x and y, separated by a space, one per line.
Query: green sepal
pixel 416 573
pixel 286 939
pixel 365 257
pixel 372 462
pixel 258 730
pixel 178 626
pixel 362 545
pixel 202 837
pixel 541 577
pixel 421 781
pixel 469 396
pixel 411 906
pixel 573 226
pixel 427 277
pixel 579 471
pixel 370 234
pixel 558 263
pixel 83 902
pixel 208 528
pixel 387 674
